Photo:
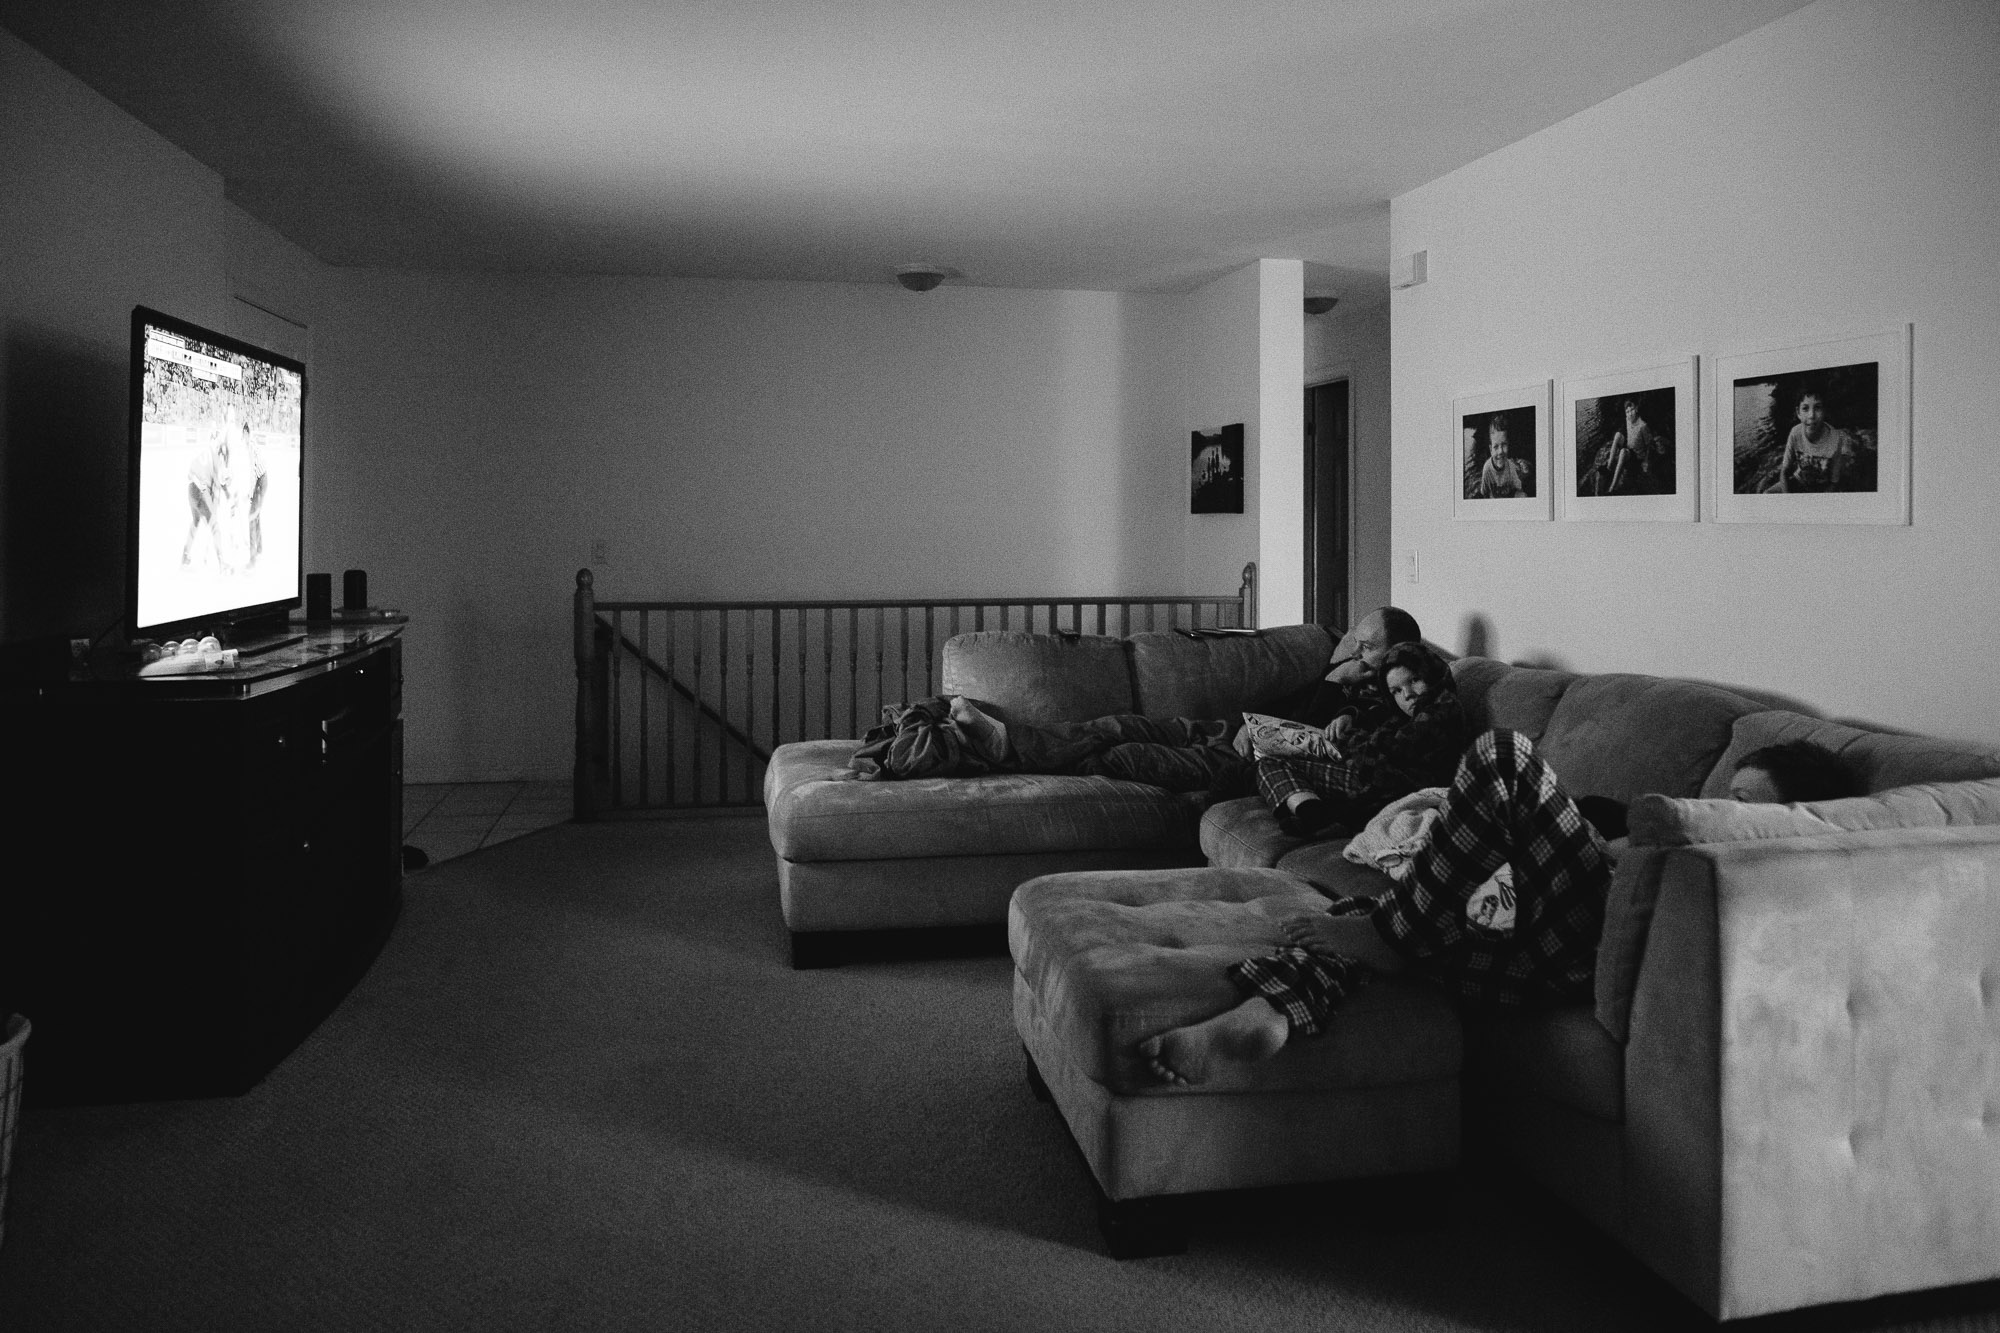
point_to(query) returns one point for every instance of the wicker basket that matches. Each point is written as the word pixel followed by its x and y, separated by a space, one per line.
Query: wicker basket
pixel 15 1036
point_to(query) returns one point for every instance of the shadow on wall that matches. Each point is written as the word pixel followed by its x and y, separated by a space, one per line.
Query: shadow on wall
pixel 63 458
pixel 1475 636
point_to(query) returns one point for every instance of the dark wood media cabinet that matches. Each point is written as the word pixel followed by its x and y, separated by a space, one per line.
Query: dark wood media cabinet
pixel 221 860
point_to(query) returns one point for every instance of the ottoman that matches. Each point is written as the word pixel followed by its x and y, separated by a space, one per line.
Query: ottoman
pixel 1104 959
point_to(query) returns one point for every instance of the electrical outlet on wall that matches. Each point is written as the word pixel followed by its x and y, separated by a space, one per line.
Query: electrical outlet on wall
pixel 600 552
pixel 1413 565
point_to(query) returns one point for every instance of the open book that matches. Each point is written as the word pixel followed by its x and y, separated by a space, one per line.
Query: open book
pixel 1281 738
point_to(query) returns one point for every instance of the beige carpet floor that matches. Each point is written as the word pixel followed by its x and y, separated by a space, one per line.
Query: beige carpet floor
pixel 582 1090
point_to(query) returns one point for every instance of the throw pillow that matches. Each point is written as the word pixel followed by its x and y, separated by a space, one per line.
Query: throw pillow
pixel 1662 821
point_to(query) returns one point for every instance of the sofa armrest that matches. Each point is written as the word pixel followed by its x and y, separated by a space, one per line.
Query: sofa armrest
pixel 1813 1071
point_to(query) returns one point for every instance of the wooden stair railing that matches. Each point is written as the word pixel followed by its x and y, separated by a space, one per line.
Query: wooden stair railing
pixel 722 684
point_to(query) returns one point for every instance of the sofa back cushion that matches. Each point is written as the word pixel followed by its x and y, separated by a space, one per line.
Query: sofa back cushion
pixel 1618 735
pixel 1175 676
pixel 1512 698
pixel 1040 678
pixel 1880 759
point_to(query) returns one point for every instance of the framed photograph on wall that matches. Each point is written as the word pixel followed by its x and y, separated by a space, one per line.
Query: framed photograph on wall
pixel 1813 433
pixel 1500 453
pixel 1627 447
pixel 1215 480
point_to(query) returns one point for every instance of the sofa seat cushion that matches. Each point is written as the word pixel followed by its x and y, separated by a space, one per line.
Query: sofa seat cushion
pixel 1114 957
pixel 1881 759
pixel 1562 1054
pixel 1244 834
pixel 1618 735
pixel 817 811
pixel 1040 678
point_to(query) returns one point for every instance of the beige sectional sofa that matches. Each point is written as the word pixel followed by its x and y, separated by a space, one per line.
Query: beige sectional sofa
pixel 1786 1092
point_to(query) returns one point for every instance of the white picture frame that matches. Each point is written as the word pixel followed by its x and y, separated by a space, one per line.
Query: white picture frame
pixel 1600 479
pixel 1862 385
pixel 1525 414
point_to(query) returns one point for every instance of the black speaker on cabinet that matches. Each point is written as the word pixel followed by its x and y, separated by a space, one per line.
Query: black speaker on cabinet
pixel 319 597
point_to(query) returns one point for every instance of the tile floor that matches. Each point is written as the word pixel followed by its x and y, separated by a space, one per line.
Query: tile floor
pixel 448 819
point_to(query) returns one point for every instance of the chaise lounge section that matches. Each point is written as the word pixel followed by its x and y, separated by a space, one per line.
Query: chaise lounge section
pixel 857 856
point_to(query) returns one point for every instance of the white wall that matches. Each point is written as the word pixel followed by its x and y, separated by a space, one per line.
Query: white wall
pixel 1244 361
pixel 97 215
pixel 1281 442
pixel 1354 344
pixel 726 440
pixel 1837 171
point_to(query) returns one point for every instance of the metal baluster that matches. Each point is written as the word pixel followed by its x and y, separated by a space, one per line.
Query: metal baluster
pixel 722 710
pixel 853 668
pixel 617 704
pixel 777 699
pixel 799 627
pixel 673 707
pixel 645 695
pixel 694 771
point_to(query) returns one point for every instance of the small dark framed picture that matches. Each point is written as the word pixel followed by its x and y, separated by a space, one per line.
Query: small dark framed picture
pixel 1626 447
pixel 1814 433
pixel 1215 479
pixel 1501 452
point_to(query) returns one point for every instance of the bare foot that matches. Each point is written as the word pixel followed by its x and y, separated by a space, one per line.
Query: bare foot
pixel 1346 936
pixel 988 734
pixel 1253 1030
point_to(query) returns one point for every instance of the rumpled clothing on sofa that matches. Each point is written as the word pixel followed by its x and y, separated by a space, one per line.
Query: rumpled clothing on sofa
pixel 917 740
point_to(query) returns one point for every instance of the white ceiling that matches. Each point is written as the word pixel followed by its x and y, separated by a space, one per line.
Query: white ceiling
pixel 1137 145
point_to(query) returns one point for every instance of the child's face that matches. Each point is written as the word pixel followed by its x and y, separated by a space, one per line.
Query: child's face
pixel 1406 688
pixel 1498 434
pixel 1812 413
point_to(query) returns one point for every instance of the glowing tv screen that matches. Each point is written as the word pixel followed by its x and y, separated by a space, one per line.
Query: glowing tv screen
pixel 218 449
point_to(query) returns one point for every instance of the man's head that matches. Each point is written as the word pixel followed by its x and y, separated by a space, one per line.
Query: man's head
pixel 1382 629
pixel 1792 771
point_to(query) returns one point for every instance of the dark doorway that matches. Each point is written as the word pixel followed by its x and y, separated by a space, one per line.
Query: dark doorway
pixel 1326 503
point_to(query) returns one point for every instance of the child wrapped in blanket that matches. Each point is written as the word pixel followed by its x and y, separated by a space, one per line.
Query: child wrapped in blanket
pixel 1381 750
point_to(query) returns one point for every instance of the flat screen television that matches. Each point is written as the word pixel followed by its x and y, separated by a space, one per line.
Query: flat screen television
pixel 216 484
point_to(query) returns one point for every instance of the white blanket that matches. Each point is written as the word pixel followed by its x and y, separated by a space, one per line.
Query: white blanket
pixel 1399 831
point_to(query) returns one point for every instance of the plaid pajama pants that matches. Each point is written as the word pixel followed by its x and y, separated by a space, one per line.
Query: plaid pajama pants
pixel 1278 779
pixel 1505 806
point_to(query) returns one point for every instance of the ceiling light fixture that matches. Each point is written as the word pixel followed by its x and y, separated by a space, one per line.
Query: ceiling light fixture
pixel 1319 305
pixel 920 277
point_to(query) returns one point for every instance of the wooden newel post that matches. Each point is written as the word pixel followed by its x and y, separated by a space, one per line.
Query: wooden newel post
pixel 1246 597
pixel 592 776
